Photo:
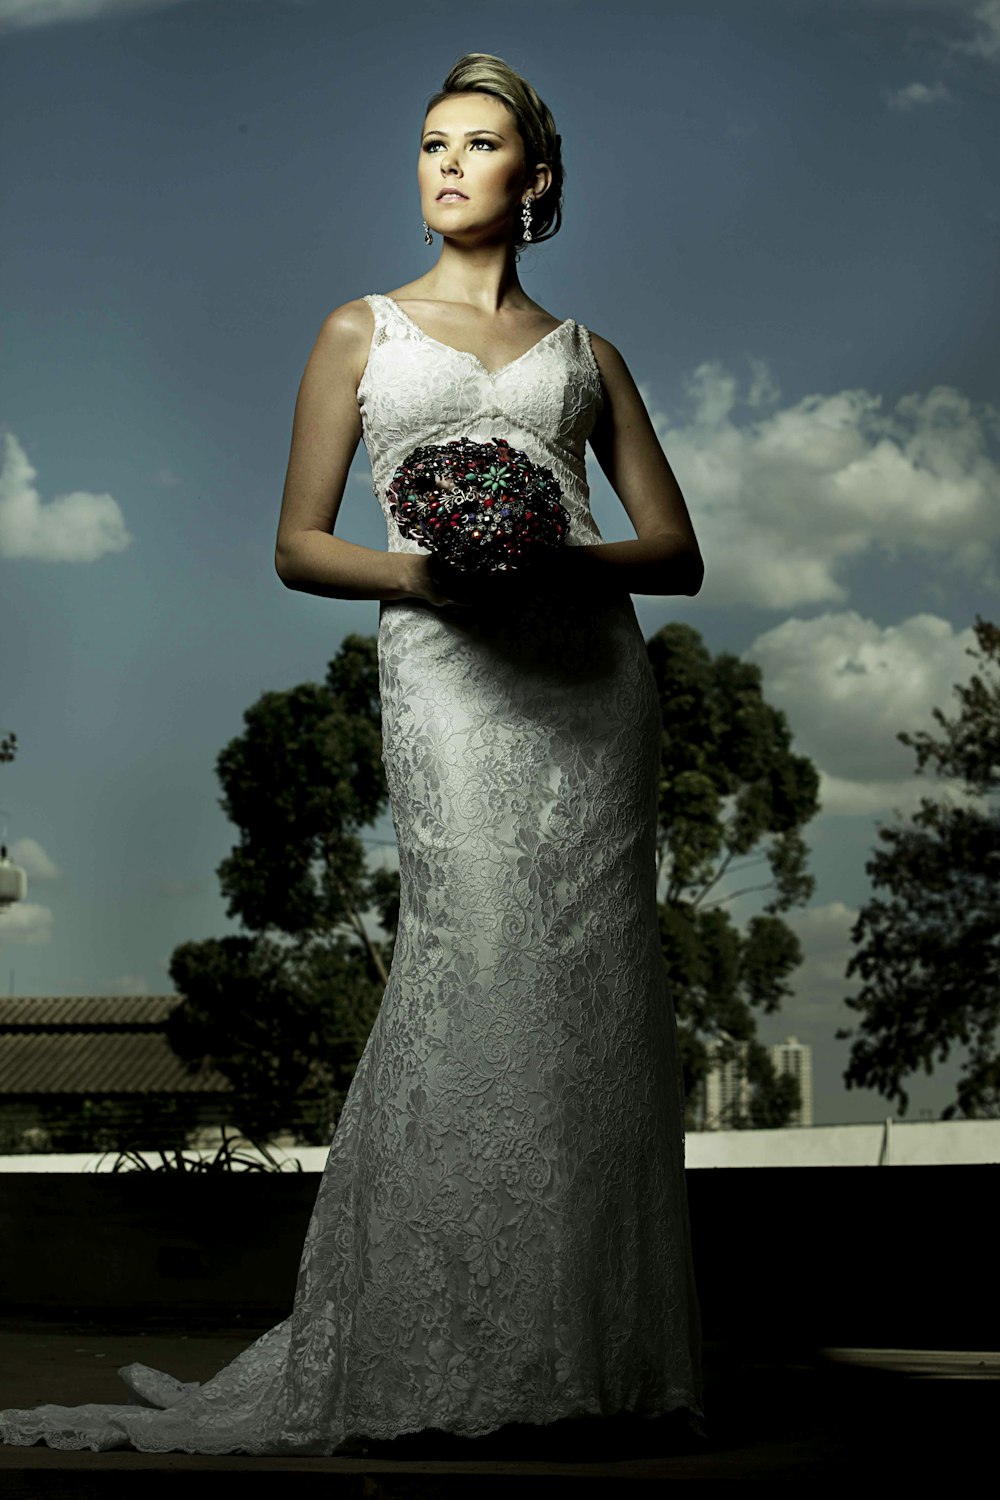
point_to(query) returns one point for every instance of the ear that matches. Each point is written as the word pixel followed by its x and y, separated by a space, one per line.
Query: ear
pixel 541 180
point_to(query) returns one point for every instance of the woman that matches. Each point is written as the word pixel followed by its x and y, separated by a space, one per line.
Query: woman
pixel 501 1232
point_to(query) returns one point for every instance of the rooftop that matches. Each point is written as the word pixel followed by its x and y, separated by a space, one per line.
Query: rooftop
pixel 95 1044
pixel 830 1415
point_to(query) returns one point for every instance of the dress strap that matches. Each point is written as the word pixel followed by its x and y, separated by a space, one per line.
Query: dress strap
pixel 376 302
pixel 387 317
pixel 590 359
pixel 382 312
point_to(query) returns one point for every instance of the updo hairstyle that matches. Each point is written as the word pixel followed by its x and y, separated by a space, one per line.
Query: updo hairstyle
pixel 481 72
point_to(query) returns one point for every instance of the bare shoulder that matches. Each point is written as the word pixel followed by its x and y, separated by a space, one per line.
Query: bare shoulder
pixel 609 361
pixel 345 336
pixel 623 414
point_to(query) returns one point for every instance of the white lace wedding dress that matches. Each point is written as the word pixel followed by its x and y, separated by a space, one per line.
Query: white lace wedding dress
pixel 501 1228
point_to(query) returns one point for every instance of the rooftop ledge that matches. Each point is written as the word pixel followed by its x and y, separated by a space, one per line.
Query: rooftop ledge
pixel 888 1142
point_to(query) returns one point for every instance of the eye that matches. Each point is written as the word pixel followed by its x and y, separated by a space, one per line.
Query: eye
pixel 476 141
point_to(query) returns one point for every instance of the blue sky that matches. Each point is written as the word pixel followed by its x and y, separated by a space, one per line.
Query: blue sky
pixel 784 214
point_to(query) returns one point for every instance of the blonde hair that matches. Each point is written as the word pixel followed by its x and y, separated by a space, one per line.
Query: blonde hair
pixel 482 73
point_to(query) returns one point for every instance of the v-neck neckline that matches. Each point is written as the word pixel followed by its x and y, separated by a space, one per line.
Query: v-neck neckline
pixel 466 353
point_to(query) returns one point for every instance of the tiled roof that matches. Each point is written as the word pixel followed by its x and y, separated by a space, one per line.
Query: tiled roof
pixel 73 1062
pixel 95 1044
pixel 81 1012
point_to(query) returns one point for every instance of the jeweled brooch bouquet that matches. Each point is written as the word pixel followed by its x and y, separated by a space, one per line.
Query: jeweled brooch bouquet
pixel 482 507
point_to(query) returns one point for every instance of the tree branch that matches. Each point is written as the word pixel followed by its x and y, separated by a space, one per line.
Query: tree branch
pixel 747 889
pixel 717 876
pixel 354 919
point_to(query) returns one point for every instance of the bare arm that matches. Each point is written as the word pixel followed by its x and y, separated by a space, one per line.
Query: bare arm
pixel 325 435
pixel 665 557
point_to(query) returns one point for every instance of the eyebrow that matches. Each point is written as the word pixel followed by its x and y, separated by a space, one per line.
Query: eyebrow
pixel 467 133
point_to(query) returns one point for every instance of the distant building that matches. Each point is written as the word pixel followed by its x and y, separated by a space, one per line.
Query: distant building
pixel 725 1090
pixel 70 1061
pixel 795 1057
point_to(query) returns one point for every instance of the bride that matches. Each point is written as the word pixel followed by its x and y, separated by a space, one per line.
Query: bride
pixel 500 1234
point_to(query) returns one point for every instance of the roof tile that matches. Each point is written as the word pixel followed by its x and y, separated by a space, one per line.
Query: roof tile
pixel 83 1011
pixel 74 1063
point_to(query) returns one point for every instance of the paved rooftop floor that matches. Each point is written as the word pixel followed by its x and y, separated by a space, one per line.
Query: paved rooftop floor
pixel 824 1416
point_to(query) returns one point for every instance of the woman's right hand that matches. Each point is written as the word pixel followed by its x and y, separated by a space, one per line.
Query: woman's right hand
pixel 442 584
pixel 436 582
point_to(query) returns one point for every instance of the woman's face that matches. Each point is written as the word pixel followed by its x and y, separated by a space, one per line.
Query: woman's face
pixel 471 145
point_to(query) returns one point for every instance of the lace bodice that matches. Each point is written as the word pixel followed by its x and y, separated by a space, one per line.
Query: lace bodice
pixel 417 390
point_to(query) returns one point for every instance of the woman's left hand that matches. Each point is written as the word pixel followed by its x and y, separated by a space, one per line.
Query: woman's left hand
pixel 546 572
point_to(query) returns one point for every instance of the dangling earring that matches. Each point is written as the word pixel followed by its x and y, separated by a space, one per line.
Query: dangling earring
pixel 428 237
pixel 526 218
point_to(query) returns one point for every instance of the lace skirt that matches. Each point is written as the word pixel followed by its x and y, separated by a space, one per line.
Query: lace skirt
pixel 501 1228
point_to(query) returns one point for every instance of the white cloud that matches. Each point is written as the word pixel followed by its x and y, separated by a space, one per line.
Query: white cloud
pixel 180 888
pixel 21 15
pixel 820 985
pixel 782 503
pixel 79 527
pixel 933 24
pixel 985 40
pixel 25 922
pixel 128 984
pixel 841 797
pixel 916 94
pixel 848 686
pixel 29 854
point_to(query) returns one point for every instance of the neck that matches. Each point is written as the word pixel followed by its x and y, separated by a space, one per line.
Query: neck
pixel 483 276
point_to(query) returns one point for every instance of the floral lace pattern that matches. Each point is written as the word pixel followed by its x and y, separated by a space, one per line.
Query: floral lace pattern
pixel 501 1229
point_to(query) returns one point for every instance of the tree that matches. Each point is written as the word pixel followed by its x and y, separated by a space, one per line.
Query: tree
pixel 86 1123
pixel 286 1027
pixel 285 1011
pixel 731 789
pixel 929 952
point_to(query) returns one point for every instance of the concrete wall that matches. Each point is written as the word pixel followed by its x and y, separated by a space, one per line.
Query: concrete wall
pixel 887 1143
pixel 908 1143
pixel 789 1256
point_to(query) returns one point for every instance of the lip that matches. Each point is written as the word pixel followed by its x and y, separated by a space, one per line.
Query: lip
pixel 444 191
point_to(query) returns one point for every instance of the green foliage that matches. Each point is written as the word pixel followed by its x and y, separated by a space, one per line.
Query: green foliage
pixel 928 951
pixel 79 1123
pixel 284 1011
pixel 731 788
pixel 286 1025
pixel 773 1096
pixel 226 1159
pixel 300 783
